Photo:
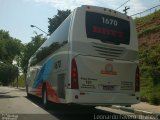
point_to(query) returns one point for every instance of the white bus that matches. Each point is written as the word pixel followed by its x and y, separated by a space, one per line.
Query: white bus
pixel 90 59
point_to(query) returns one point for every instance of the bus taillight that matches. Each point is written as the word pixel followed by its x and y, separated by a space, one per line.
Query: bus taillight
pixel 74 75
pixel 137 80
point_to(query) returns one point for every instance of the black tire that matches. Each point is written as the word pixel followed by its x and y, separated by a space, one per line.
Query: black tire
pixel 127 105
pixel 45 97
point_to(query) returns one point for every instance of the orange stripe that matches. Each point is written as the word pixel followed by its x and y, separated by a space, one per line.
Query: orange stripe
pixel 52 95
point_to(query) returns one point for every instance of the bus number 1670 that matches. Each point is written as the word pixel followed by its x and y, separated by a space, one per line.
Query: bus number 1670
pixel 110 21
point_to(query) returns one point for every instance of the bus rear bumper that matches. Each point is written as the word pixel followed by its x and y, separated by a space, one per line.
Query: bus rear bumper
pixel 93 98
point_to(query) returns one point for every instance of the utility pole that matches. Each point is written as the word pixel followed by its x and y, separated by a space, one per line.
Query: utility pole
pixel 125 9
pixel 122 5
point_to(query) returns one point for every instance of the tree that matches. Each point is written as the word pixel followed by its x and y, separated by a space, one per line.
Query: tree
pixel 57 20
pixel 30 49
pixel 9 47
pixel 8 73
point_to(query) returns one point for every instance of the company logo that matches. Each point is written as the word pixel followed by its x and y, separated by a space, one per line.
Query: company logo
pixel 109 70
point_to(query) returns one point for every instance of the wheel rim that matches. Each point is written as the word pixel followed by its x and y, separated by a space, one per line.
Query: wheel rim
pixel 44 97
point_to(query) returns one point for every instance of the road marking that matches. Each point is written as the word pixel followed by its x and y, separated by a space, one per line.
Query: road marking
pixel 35 105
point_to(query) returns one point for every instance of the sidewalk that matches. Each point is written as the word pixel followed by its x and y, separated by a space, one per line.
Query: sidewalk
pixel 20 88
pixel 146 107
pixel 140 108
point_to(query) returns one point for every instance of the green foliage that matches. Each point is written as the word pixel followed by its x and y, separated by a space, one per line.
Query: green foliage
pixel 30 49
pixel 155 95
pixel 149 30
pixel 12 49
pixel 148 24
pixel 148 18
pixel 8 73
pixel 149 59
pixel 9 47
pixel 46 51
pixel 57 20
pixel 21 81
pixel 150 74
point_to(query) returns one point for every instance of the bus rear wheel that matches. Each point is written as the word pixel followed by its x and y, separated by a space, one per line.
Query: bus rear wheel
pixel 44 97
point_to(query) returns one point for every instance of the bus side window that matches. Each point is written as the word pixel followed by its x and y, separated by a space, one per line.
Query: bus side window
pixel 33 61
pixel 58 39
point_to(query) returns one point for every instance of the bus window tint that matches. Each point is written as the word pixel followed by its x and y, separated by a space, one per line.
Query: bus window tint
pixel 107 28
pixel 33 60
pixel 58 39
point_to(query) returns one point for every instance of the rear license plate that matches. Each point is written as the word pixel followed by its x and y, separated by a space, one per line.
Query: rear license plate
pixel 108 87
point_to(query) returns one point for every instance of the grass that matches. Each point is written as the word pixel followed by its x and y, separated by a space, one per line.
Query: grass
pixel 148 24
pixel 149 30
pixel 148 18
pixel 150 74
pixel 149 59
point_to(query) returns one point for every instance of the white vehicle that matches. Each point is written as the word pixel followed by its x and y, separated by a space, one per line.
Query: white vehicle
pixel 91 58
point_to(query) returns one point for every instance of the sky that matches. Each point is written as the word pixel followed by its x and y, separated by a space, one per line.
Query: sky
pixel 16 16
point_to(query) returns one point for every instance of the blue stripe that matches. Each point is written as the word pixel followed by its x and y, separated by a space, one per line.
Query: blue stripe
pixel 44 73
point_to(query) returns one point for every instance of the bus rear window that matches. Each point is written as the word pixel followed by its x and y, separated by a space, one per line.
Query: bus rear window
pixel 107 28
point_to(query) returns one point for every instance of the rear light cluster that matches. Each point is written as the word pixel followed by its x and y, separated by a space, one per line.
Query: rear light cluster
pixel 74 75
pixel 137 80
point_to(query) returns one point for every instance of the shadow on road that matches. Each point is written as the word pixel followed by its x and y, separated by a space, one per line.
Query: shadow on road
pixel 3 93
pixel 74 112
pixel 7 96
pixel 68 112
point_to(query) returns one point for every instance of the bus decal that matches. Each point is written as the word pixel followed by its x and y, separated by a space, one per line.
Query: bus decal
pixel 43 77
pixel 109 70
pixel 52 94
pixel 44 73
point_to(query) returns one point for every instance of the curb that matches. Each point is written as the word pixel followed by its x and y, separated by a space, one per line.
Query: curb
pixel 132 110
pixel 136 111
pixel 127 109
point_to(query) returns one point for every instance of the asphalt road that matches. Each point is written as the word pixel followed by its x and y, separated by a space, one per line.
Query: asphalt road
pixel 16 106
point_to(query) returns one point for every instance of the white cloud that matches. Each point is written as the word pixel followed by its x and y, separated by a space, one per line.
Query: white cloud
pixel 135 5
pixel 66 4
pixel 71 4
